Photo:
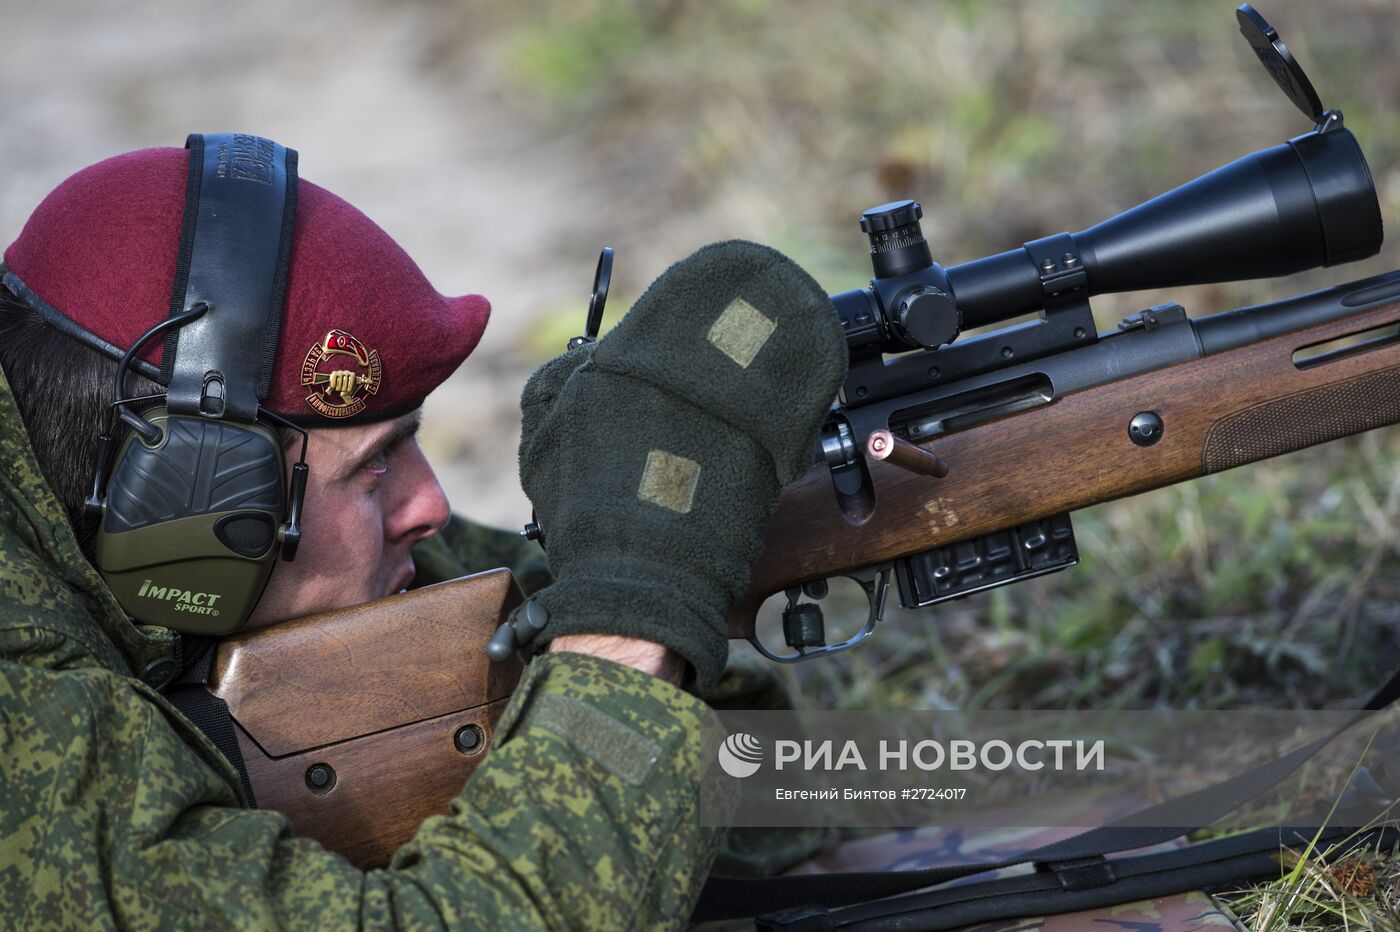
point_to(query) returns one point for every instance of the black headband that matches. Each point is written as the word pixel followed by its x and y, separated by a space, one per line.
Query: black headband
pixel 235 249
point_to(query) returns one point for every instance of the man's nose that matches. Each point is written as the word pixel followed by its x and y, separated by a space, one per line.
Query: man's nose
pixel 422 509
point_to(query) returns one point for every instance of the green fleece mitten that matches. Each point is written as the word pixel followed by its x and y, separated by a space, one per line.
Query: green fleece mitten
pixel 654 457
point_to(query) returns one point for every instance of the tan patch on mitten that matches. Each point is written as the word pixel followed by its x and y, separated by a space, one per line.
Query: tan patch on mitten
pixel 740 332
pixel 669 481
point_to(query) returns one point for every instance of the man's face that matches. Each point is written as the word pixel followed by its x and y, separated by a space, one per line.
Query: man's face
pixel 370 496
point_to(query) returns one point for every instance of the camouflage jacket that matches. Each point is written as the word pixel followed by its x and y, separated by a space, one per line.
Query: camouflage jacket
pixel 117 812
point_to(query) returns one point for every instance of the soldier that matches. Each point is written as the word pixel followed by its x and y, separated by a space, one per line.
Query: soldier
pixel 653 459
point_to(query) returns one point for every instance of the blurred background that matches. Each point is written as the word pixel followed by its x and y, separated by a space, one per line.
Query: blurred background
pixel 503 144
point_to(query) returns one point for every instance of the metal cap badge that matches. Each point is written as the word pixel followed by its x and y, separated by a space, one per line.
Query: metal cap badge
pixel 344 374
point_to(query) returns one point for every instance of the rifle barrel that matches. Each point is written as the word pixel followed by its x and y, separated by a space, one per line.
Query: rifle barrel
pixel 1232 329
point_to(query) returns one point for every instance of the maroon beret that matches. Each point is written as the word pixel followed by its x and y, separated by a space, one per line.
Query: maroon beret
pixel 101 249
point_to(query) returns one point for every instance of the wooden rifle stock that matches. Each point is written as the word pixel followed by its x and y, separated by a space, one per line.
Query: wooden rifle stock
pixel 374 697
pixel 1219 411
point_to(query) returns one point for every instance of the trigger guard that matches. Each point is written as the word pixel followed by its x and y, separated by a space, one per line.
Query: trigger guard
pixel 876 583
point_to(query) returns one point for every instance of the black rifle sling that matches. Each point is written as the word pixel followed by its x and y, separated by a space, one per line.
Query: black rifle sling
pixel 207 712
pixel 1213 864
pixel 1080 857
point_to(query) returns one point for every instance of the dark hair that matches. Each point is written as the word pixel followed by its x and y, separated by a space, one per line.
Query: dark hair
pixel 63 389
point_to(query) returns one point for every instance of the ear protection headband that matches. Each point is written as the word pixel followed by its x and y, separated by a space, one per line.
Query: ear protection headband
pixel 193 510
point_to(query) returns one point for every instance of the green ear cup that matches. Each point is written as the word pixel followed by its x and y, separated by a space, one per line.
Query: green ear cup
pixel 189 527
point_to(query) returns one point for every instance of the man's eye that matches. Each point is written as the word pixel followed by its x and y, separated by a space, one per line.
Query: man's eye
pixel 379 465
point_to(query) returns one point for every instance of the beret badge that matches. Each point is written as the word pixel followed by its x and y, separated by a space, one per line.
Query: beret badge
pixel 342 373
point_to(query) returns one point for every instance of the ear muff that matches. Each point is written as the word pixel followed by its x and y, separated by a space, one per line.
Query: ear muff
pixel 190 530
pixel 195 508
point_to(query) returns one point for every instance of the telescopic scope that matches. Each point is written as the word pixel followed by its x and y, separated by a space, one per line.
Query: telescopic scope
pixel 1301 205
pixel 1304 204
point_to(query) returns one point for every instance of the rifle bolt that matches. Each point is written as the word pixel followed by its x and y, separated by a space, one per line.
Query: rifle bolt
pixel 838 447
pixel 1146 428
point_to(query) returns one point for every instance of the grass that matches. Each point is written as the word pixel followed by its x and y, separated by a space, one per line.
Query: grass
pixel 1359 890
pixel 1345 885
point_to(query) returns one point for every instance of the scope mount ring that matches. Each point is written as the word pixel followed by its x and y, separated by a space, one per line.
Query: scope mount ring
pixel 876 583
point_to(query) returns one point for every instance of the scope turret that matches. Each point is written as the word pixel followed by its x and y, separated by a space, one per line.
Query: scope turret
pixel 897 244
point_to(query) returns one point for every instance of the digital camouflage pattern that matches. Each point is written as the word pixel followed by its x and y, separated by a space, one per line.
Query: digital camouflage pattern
pixel 119 813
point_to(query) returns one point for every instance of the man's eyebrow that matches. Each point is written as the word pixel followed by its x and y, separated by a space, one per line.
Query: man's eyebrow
pixel 378 446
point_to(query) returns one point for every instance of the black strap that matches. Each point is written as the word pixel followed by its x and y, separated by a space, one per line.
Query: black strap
pixel 1208 865
pixel 742 897
pixel 60 322
pixel 235 247
pixel 190 694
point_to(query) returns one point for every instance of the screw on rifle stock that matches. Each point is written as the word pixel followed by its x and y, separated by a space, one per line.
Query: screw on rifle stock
pixel 1146 428
pixel 469 739
pixel 320 778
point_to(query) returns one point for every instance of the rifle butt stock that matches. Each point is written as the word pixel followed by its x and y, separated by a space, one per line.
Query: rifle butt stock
pixel 374 697
pixel 1218 411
